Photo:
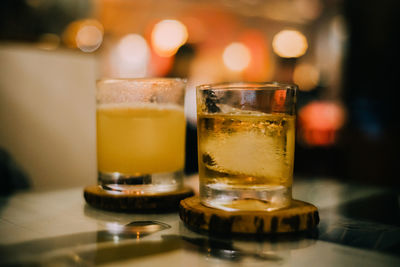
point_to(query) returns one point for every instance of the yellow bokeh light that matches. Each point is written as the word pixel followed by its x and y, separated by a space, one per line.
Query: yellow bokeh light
pixel 167 36
pixel 306 76
pixel 289 44
pixel 236 56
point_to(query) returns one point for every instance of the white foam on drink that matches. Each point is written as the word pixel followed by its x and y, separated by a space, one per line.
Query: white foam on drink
pixel 140 105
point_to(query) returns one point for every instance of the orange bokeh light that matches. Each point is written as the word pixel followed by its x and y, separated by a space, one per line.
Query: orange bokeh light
pixel 319 122
pixel 306 76
pixel 259 67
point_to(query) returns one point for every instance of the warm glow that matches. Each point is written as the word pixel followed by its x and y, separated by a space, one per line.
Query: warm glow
pixel 306 76
pixel 309 9
pixel 89 38
pixel 87 35
pixel 289 44
pixel 133 48
pixel 279 97
pixel 48 41
pixel 319 122
pixel 159 66
pixel 167 36
pixel 236 56
pixel 259 69
pixel 131 56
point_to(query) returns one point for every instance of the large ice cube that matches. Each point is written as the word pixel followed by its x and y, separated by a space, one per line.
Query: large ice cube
pixel 249 153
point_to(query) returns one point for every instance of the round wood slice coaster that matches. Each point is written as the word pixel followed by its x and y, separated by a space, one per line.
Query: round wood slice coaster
pixel 124 202
pixel 300 216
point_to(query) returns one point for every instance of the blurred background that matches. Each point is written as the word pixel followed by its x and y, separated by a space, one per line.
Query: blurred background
pixel 343 55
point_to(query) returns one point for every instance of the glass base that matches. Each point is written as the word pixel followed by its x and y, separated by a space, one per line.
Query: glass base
pixel 265 198
pixel 143 183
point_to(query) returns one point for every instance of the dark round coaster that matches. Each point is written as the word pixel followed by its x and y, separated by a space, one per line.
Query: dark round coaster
pixel 300 216
pixel 125 202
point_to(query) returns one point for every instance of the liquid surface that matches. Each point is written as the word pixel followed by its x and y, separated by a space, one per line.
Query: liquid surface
pixel 138 139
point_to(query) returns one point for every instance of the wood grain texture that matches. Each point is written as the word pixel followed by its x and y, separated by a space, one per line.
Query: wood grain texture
pixel 123 202
pixel 300 216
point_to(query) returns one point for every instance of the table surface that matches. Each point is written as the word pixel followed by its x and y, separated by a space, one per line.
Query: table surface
pixel 360 226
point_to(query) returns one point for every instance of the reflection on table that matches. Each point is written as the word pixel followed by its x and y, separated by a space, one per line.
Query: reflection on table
pixel 360 226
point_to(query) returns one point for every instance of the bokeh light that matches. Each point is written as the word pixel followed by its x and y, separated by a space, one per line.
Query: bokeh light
pixel 319 122
pixel 87 35
pixel 289 44
pixel 236 56
pixel 89 38
pixel 167 36
pixel 133 48
pixel 131 56
pixel 306 76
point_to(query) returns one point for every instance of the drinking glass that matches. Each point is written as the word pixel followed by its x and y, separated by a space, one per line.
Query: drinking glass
pixel 246 139
pixel 140 134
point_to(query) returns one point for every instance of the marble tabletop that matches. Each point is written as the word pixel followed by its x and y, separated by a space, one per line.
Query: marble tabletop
pixel 360 226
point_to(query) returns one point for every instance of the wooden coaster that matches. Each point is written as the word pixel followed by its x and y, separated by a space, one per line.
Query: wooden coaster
pixel 119 201
pixel 300 216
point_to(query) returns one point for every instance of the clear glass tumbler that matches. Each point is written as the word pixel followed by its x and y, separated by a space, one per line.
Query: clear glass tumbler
pixel 140 134
pixel 246 139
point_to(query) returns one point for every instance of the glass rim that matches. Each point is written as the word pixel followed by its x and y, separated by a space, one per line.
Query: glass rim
pixel 248 86
pixel 141 80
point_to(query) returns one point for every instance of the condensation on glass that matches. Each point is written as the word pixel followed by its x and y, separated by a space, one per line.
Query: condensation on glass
pixel 246 140
pixel 140 134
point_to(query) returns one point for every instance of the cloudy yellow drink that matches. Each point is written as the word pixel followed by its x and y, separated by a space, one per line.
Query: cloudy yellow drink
pixel 140 139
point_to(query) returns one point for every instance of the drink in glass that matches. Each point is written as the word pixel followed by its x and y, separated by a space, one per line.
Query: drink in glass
pixel 140 134
pixel 246 137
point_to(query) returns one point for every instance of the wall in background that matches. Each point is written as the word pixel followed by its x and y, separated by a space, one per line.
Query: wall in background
pixel 47 114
